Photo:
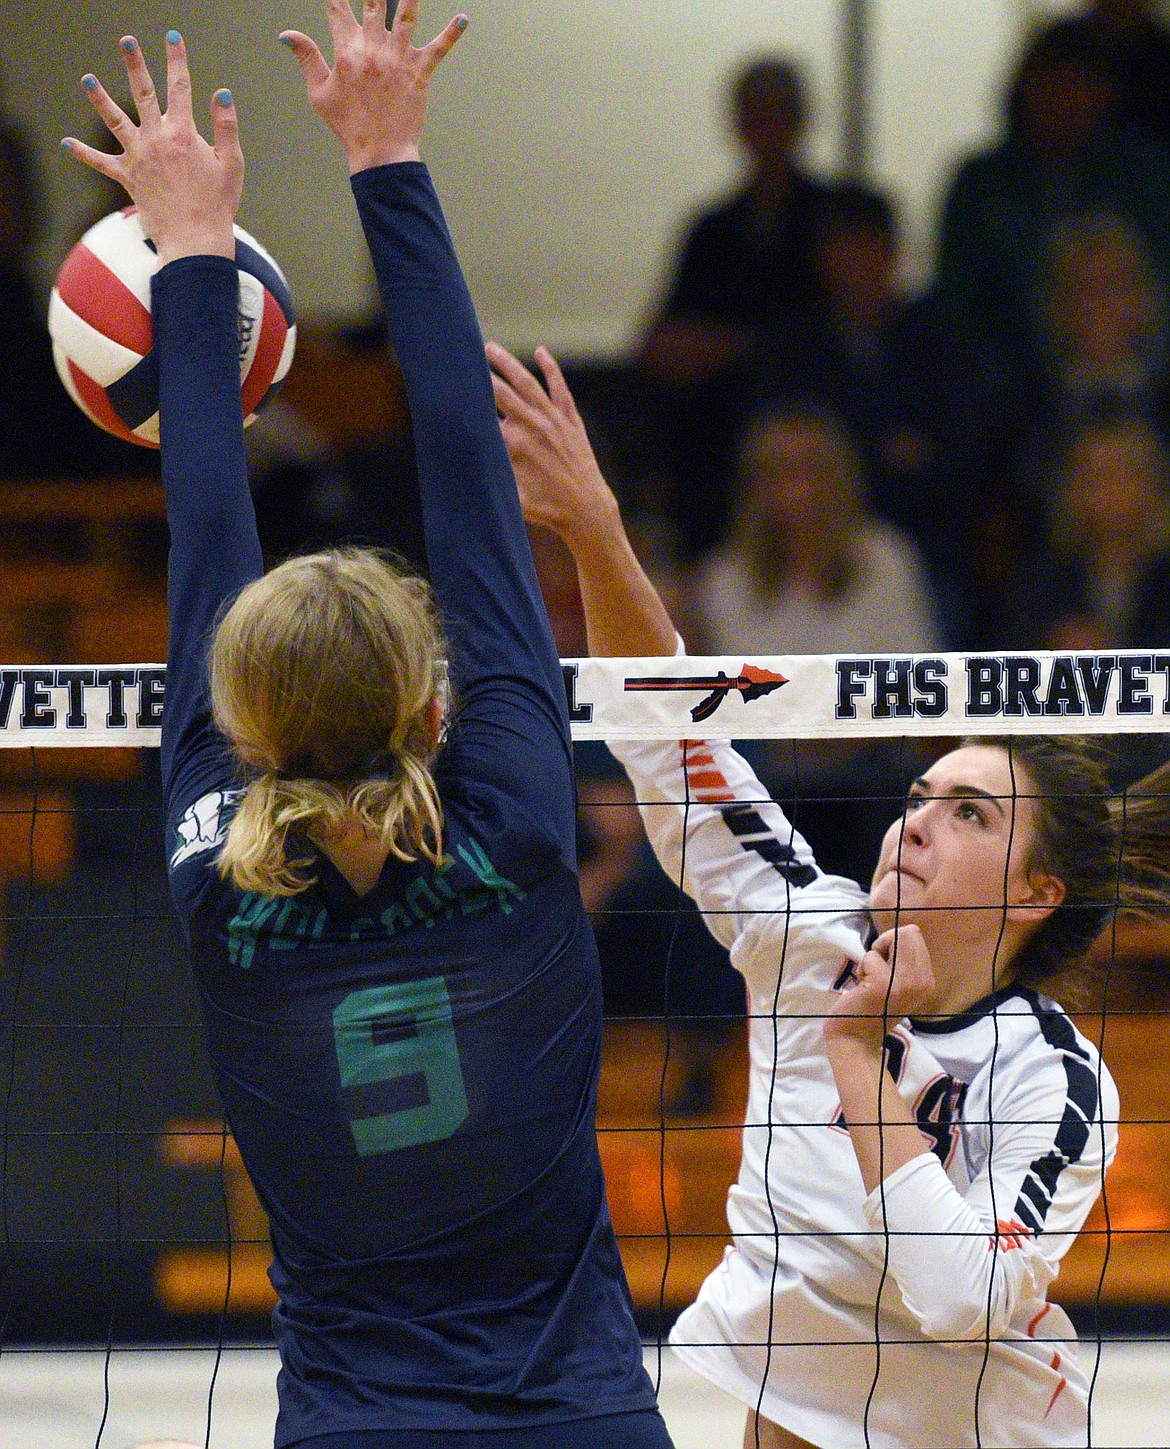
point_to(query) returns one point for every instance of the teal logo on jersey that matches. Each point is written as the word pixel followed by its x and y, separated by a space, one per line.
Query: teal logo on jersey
pixel 283 922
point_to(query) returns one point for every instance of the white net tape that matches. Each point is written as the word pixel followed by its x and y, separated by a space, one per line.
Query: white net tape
pixel 765 697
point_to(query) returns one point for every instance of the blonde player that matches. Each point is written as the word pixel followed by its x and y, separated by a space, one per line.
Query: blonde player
pixel 401 992
pixel 926 1130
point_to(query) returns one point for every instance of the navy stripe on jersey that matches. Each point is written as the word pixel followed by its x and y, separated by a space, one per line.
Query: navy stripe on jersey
pixel 1080 1110
pixel 751 830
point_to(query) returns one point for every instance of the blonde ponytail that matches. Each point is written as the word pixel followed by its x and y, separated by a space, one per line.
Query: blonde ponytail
pixel 324 676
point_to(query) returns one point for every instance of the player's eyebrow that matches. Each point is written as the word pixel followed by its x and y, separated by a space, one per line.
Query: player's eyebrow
pixel 958 792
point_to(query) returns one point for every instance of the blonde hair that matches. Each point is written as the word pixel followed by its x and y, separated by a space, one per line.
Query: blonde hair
pixel 754 535
pixel 323 676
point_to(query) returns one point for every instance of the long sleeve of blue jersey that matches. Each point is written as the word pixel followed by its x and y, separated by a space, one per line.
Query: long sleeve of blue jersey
pixel 511 729
pixel 215 550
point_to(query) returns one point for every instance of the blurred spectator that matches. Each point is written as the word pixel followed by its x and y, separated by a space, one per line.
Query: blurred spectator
pixel 806 569
pixel 42 432
pixel 1061 158
pixel 746 265
pixel 1106 333
pixel 1135 45
pixel 1104 580
pixel 924 405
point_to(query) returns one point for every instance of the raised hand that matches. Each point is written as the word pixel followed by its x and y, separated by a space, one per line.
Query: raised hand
pixel 560 483
pixel 374 98
pixel 187 192
pixel 894 979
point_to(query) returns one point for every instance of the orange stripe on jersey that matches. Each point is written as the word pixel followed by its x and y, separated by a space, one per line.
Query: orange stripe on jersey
pixel 706 782
pixel 1060 1388
pixel 1032 1326
pixel 709 785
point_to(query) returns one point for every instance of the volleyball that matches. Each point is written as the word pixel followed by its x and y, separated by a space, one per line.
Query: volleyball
pixel 99 321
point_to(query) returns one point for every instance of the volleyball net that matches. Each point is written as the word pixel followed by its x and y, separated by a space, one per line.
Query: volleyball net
pixel 126 1213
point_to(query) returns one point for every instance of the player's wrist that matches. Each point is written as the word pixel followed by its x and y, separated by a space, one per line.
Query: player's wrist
pixel 853 1036
pixel 196 246
pixel 595 532
pixel 368 156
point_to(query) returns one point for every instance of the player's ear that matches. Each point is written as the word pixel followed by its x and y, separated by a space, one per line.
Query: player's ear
pixel 1041 894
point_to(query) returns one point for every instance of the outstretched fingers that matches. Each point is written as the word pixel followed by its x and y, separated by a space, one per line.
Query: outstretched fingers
pixel 517 377
pixel 509 404
pixel 100 161
pixel 141 85
pixel 314 66
pixel 118 123
pixel 443 43
pixel 226 130
pixel 342 25
pixel 374 17
pixel 554 378
pixel 405 18
pixel 178 80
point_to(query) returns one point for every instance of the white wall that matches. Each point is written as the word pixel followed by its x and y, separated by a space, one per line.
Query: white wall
pixel 570 140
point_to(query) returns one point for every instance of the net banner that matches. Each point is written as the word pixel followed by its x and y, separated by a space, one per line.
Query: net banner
pixel 822 696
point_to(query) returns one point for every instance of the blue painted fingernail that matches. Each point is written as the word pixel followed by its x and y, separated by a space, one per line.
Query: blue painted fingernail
pixel 128 44
pixel 461 23
pixel 285 40
pixel 224 98
pixel 66 145
pixel 174 38
pixel 89 82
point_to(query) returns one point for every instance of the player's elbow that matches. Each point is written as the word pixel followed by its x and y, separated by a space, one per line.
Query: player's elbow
pixel 963 1318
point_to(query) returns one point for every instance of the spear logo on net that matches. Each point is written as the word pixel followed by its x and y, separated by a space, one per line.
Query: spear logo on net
pixel 751 683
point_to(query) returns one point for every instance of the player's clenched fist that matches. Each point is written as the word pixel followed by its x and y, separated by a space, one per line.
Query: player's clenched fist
pixel 893 979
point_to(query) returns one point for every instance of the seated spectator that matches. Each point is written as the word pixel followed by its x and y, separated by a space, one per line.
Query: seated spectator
pixel 745 266
pixel 925 406
pixel 1135 45
pixel 806 569
pixel 1061 158
pixel 1104 580
pixel 1106 331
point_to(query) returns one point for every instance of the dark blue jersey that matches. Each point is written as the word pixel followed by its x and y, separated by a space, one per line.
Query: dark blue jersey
pixel 411 1074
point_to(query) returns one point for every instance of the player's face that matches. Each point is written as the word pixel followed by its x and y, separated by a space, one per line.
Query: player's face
pixel 956 862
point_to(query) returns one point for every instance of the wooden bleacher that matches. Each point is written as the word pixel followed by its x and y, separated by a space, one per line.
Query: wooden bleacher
pixel 685 1166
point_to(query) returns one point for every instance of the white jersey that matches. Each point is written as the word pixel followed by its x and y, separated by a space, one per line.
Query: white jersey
pixel 917 1315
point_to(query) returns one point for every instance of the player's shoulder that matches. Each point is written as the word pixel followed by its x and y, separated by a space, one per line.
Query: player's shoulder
pixel 1032 1044
pixel 193 841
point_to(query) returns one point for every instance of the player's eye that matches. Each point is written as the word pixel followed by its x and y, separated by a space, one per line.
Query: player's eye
pixel 966 810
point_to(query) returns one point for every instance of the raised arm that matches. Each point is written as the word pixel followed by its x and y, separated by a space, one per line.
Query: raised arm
pixel 562 489
pixel 374 99
pixel 187 193
pixel 713 826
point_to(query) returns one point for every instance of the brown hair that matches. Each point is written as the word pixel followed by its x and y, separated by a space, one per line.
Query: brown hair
pixel 323 675
pixel 1110 846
